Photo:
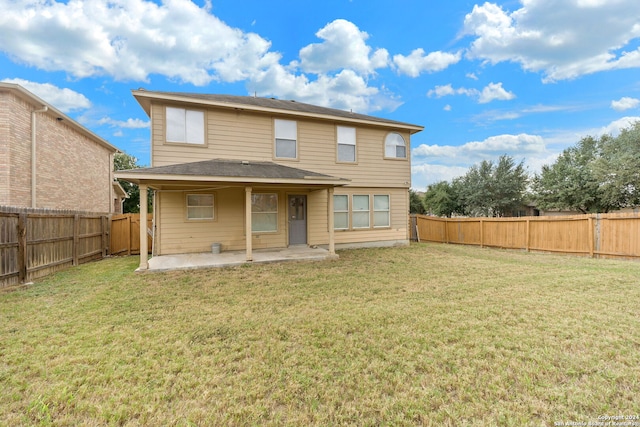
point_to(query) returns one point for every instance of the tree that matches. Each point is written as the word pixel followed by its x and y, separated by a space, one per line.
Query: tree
pixel 595 175
pixel 123 161
pixel 415 203
pixel 490 189
pixel 570 182
pixel 441 199
pixel 617 170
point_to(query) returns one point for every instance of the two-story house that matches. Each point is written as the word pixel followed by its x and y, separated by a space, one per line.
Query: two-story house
pixel 48 160
pixel 251 172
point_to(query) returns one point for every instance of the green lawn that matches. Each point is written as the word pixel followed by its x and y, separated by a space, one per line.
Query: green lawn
pixel 423 335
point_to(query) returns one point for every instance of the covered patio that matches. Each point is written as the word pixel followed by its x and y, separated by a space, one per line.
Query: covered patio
pixel 235 258
pixel 238 181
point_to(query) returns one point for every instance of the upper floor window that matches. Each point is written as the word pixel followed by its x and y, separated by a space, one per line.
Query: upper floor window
pixel 286 132
pixel 346 144
pixel 185 126
pixel 394 146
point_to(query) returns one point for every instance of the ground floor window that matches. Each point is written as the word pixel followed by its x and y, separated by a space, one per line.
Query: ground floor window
pixel 200 207
pixel 341 212
pixel 381 209
pixel 360 214
pixel 360 211
pixel 264 212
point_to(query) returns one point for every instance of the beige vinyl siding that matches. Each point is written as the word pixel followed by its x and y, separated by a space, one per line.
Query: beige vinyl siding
pixel 179 235
pixel 398 229
pixel 318 226
pixel 245 135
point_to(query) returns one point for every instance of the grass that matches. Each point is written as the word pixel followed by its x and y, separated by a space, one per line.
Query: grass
pixel 424 335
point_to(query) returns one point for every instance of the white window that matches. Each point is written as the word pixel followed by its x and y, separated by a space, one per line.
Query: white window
pixel 200 207
pixel 346 144
pixel 340 212
pixel 186 126
pixel 360 214
pixel 394 146
pixel 381 211
pixel 286 139
pixel 264 212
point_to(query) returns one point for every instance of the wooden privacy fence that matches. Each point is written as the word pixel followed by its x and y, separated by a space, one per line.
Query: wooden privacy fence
pixel 596 235
pixel 125 234
pixel 37 242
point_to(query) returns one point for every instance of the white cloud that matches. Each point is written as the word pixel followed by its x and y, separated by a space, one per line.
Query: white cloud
pixel 492 147
pixel 417 62
pixel 343 46
pixel 491 92
pixel 625 103
pixel 135 39
pixel 127 124
pixel 448 90
pixel 424 174
pixel 557 37
pixel 65 100
pixel 614 127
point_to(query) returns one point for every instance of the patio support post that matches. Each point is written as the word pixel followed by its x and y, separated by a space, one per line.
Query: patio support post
pixel 144 256
pixel 332 243
pixel 247 222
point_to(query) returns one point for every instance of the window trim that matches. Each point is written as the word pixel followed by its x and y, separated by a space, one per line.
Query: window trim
pixel 275 140
pixel 214 216
pixel 354 144
pixel 186 140
pixel 277 225
pixel 388 144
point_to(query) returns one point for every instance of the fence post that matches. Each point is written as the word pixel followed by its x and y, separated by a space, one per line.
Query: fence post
pixel 481 233
pixel 105 235
pixel 22 247
pixel 446 230
pixel 76 238
pixel 528 244
pixel 591 239
pixel 129 234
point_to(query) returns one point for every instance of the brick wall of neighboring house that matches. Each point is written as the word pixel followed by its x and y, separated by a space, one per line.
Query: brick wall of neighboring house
pixel 74 171
pixel 20 148
pixel 4 148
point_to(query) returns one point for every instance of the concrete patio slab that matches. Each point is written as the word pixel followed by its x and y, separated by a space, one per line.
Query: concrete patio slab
pixel 231 258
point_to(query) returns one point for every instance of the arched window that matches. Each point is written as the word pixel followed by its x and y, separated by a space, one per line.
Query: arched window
pixel 394 146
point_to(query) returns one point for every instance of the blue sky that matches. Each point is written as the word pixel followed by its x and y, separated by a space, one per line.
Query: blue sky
pixel 524 78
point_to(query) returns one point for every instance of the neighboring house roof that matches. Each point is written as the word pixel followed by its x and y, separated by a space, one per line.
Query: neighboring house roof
pixel 118 190
pixel 240 171
pixel 270 105
pixel 53 111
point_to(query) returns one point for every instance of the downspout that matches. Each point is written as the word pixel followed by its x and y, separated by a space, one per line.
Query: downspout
pixel 33 154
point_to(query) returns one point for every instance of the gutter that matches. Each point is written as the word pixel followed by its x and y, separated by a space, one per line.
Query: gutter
pixel 33 153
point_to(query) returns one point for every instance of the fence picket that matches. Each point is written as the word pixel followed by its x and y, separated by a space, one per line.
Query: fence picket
pixel 601 235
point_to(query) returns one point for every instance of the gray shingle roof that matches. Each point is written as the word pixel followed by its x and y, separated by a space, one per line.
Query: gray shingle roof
pixel 279 104
pixel 232 169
